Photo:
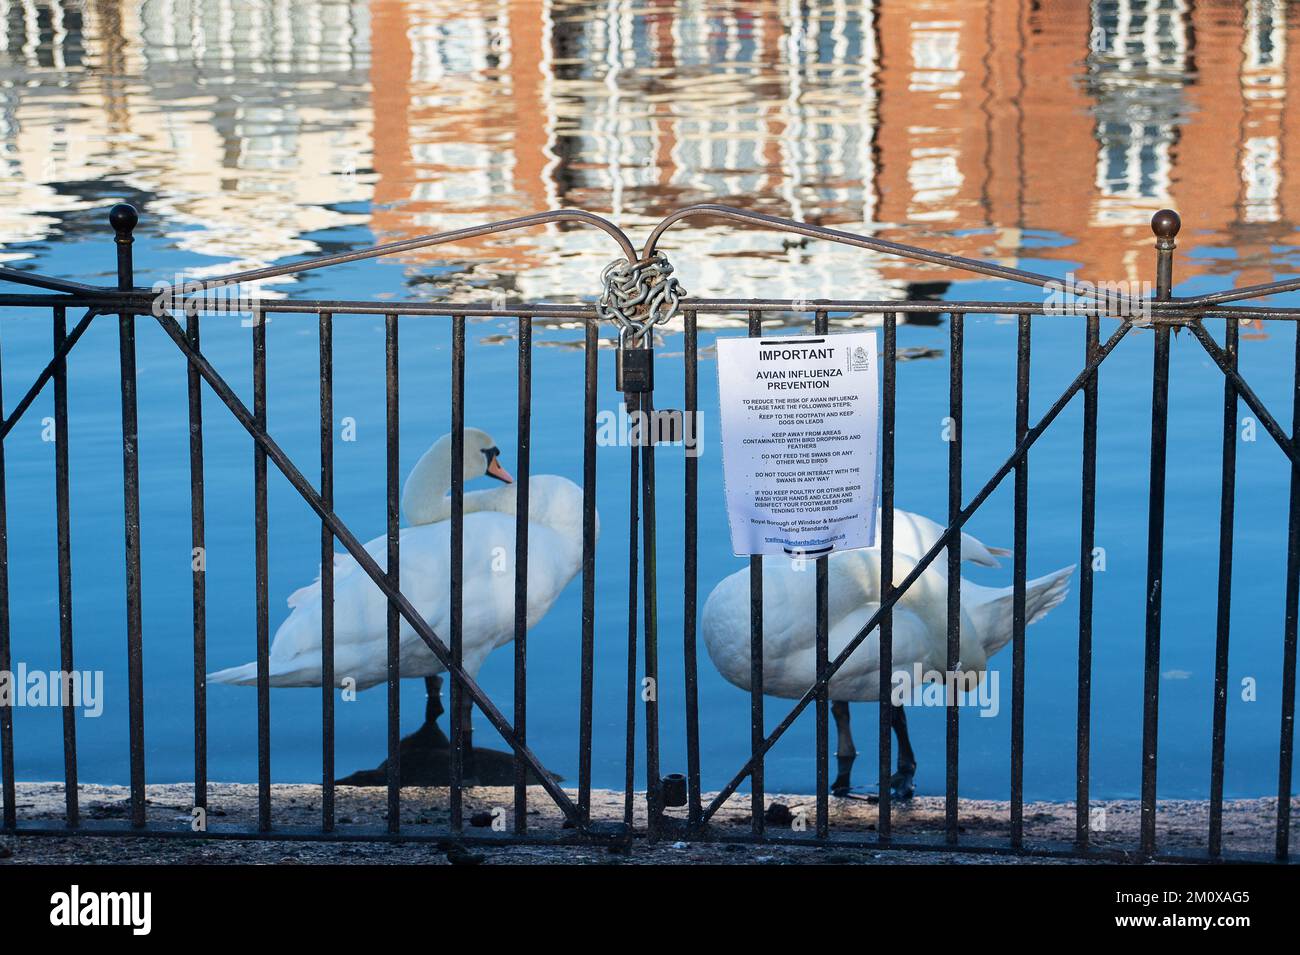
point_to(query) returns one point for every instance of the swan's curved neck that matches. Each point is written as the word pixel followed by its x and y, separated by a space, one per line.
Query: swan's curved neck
pixel 426 496
pixel 493 499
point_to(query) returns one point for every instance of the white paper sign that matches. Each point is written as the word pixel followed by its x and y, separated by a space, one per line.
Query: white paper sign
pixel 800 428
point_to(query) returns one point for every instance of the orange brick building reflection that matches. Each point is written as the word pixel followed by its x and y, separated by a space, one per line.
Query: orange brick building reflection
pixel 967 126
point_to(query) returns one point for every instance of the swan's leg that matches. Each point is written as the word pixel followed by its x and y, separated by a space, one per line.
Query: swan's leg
pixel 429 735
pixel 432 710
pixel 845 752
pixel 468 772
pixel 900 784
pixel 423 754
pixel 433 698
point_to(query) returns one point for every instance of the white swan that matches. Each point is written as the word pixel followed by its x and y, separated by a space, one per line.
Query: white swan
pixel 361 609
pixel 914 534
pixel 853 589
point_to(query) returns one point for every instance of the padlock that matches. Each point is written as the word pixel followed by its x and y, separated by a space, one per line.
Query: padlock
pixel 634 368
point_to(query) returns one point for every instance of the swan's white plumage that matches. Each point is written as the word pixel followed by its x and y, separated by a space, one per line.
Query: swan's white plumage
pixel 919 618
pixel 361 609
pixel 915 534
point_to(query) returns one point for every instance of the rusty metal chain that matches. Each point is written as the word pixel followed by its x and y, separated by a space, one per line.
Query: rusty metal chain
pixel 639 295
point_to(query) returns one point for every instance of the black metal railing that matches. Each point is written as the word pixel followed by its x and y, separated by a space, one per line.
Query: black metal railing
pixel 1162 313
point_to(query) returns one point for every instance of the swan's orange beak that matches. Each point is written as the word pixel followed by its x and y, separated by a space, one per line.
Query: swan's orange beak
pixel 494 469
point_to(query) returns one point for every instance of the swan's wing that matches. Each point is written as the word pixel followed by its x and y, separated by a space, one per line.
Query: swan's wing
pixel 859 677
pixel 344 564
pixel 488 600
pixel 789 628
pixel 361 609
pixel 360 616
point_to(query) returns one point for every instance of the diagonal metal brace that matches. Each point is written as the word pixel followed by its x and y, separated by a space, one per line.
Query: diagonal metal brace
pixel 1270 424
pixel 7 424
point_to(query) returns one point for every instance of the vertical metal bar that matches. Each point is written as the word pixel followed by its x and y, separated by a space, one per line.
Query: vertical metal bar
pixel 10 820
pixel 1021 539
pixel 756 729
pixel 957 321
pixel 1227 504
pixel 456 690
pixel 592 364
pixel 393 567
pixel 887 413
pixel 123 218
pixel 591 356
pixel 524 434
pixel 691 570
pixel 327 569
pixel 821 326
pixel 650 611
pixel 198 567
pixel 1289 634
pixel 633 407
pixel 1155 572
pixel 63 519
pixel 1087 530
pixel 1165 232
pixel 260 575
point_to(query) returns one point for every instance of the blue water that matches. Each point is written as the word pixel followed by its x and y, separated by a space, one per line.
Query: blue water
pixel 258 132
pixel 95 456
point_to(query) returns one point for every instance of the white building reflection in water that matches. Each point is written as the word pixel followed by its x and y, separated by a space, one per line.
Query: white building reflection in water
pixel 1137 71
pixel 251 128
pixel 242 125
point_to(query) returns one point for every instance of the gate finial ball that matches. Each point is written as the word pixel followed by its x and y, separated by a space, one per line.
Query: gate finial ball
pixel 1165 224
pixel 123 218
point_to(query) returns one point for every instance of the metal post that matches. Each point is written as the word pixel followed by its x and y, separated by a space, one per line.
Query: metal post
pixel 123 218
pixel 393 567
pixel 524 443
pixel 821 326
pixel 326 349
pixel 63 519
pixel 1223 627
pixel 888 407
pixel 952 666
pixel 591 363
pixel 261 577
pixel 1165 225
pixel 1087 537
pixel 1292 612
pixel 198 568
pixel 1020 546
pixel 456 696
pixel 690 565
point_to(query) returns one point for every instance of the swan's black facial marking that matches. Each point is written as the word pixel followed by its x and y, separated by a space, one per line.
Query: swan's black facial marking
pixel 492 466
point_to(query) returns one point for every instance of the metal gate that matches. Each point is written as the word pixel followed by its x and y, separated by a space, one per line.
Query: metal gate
pixel 640 292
